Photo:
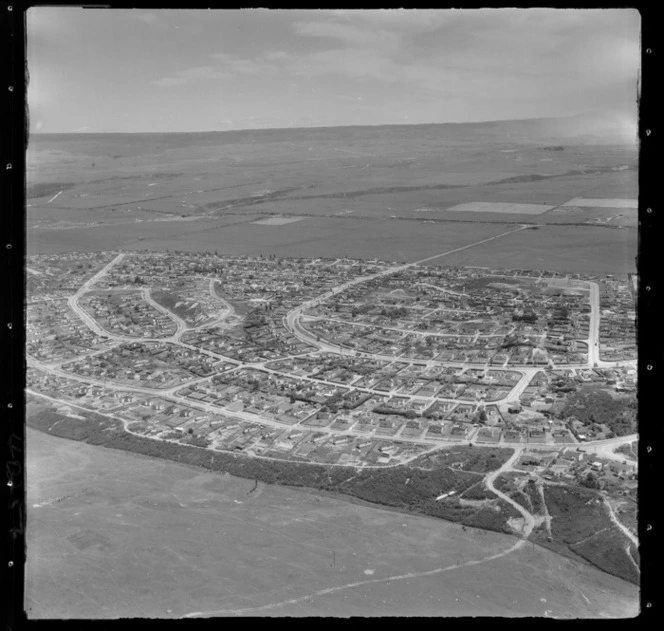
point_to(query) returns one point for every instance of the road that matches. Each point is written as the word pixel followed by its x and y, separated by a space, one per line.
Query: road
pixel 606 448
pixel 72 301
pixel 593 332
pixel 179 322
pixel 229 310
pixel 529 519
pixel 54 197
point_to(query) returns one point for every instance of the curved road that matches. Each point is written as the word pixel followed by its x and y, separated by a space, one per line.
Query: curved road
pixel 529 519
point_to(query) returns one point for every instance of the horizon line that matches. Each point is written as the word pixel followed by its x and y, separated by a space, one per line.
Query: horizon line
pixel 223 131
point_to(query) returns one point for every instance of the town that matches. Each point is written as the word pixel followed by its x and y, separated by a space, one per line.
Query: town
pixel 243 354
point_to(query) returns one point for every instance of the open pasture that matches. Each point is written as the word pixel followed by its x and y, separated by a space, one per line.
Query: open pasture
pixel 382 170
pixel 501 207
pixel 603 203
pixel 277 221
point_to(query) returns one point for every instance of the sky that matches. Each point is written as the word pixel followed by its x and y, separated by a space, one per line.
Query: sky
pixel 108 70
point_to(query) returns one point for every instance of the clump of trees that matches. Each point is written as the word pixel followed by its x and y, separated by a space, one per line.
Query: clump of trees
pixel 597 407
pixel 590 481
pixel 529 317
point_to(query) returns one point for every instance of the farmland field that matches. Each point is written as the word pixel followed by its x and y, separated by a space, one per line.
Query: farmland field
pixel 114 534
pixel 394 193
pixel 501 207
pixel 602 203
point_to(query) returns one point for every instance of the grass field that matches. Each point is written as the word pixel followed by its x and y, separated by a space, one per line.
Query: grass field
pixel 277 221
pixel 113 534
pixel 501 207
pixel 603 203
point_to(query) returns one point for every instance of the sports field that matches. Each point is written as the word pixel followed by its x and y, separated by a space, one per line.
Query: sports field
pixel 113 534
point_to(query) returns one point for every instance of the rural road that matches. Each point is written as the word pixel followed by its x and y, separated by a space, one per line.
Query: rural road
pixel 529 519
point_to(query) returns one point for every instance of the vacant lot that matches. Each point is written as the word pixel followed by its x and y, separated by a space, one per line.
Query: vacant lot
pixel 112 534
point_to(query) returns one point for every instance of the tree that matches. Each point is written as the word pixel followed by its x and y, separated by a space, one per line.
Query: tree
pixel 590 481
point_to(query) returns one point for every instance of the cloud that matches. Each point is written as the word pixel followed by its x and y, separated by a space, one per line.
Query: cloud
pixel 228 66
pixel 235 65
pixel 401 20
pixel 189 75
pixel 450 60
pixel 277 55
pixel 356 35
pixel 148 18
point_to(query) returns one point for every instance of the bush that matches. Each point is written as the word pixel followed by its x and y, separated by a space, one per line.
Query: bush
pixel 577 513
pixel 590 481
pixel 479 492
pixel 535 498
pixel 488 519
pixel 595 406
pixel 607 550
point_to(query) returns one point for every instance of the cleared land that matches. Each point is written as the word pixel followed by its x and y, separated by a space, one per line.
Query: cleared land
pixel 277 221
pixel 115 534
pixel 501 207
pixel 603 203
